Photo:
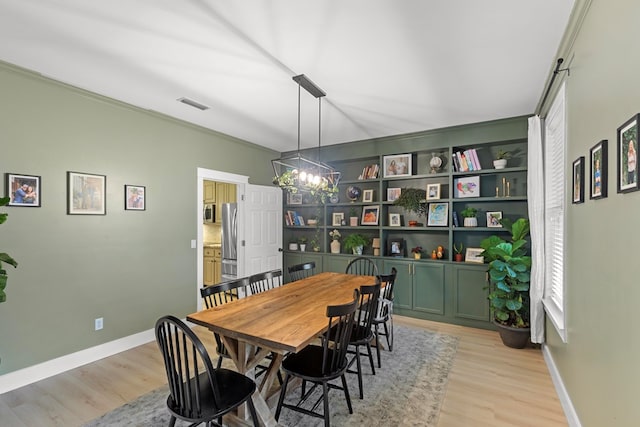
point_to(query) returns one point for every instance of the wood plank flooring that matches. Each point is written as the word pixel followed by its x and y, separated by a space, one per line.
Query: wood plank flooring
pixel 489 385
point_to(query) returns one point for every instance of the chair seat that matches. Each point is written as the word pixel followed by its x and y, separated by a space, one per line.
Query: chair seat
pixel 307 364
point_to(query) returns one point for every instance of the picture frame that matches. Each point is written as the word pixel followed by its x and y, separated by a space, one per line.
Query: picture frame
pixel 135 198
pixel 472 255
pixel 578 181
pixel 395 247
pixel 367 196
pixel 397 165
pixel 627 161
pixel 438 215
pixel 370 215
pixel 598 174
pixel 393 194
pixel 86 194
pixel 295 198
pixel 433 191
pixel 394 220
pixel 23 190
pixel 493 219
pixel 337 218
pixel 465 187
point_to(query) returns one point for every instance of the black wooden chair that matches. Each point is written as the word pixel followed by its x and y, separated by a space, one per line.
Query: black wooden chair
pixel 384 311
pixel 363 266
pixel 222 293
pixel 264 281
pixel 322 364
pixel 198 392
pixel 300 271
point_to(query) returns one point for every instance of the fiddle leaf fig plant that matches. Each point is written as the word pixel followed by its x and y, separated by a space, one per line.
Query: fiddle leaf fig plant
pixel 4 257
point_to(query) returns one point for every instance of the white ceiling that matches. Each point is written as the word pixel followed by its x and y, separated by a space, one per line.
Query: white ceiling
pixel 388 66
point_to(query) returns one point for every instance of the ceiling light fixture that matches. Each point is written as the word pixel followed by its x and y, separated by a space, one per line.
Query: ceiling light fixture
pixel 299 173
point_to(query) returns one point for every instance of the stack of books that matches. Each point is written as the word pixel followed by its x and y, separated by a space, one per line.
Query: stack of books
pixel 466 161
pixel 293 219
pixel 370 172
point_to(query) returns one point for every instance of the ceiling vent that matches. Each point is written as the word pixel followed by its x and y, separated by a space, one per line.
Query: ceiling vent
pixel 193 104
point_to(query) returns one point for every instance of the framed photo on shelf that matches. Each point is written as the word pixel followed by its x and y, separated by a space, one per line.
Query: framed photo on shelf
pixel 598 175
pixel 438 214
pixel 23 190
pixel 468 186
pixel 367 196
pixel 134 198
pixel 393 194
pixel 394 220
pixel 337 218
pixel 395 247
pixel 493 219
pixel 433 191
pixel 578 181
pixel 86 194
pixel 295 198
pixel 628 155
pixel 370 215
pixel 397 165
pixel 473 255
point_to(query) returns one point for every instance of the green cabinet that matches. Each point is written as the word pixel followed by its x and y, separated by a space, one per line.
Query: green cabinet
pixel 419 286
pixel 470 292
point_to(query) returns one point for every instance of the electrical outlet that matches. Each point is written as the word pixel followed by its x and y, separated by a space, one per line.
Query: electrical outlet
pixel 99 323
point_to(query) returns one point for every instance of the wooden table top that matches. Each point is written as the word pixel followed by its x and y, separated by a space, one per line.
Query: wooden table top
pixel 286 318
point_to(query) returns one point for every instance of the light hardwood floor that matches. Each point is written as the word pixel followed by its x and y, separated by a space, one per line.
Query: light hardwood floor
pixel 489 385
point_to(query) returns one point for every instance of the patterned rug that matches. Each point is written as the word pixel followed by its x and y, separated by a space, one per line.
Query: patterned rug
pixel 407 391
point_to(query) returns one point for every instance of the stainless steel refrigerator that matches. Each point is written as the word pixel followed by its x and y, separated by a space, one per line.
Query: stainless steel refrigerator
pixel 229 240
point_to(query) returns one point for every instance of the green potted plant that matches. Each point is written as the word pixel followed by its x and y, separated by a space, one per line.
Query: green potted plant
pixel 303 243
pixel 413 200
pixel 417 252
pixel 469 215
pixel 353 217
pixel 315 244
pixel 458 250
pixel 356 243
pixel 509 275
pixel 4 257
pixel 501 159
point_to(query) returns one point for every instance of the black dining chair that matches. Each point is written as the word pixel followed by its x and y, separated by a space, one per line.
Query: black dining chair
pixel 198 392
pixel 363 266
pixel 320 364
pixel 384 311
pixel 300 271
pixel 264 281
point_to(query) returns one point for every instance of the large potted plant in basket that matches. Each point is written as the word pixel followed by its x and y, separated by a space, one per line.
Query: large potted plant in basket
pixel 509 275
pixel 4 257
pixel 356 243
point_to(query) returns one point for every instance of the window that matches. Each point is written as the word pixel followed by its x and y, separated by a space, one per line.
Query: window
pixel 554 206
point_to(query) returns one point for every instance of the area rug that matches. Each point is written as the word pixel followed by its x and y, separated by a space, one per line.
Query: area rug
pixel 407 391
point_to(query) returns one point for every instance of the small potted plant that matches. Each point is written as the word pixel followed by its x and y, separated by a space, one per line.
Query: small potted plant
pixel 458 250
pixel 413 200
pixel 501 159
pixel 469 215
pixel 303 243
pixel 315 245
pixel 353 217
pixel 417 252
pixel 356 243
pixel 335 241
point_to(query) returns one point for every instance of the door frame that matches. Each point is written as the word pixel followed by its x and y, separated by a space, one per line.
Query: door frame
pixel 240 181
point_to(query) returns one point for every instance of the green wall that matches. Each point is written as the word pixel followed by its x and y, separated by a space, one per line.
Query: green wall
pixel 599 363
pixel 129 267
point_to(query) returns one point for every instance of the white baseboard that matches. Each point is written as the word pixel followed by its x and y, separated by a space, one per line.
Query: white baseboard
pixel 26 376
pixel 565 400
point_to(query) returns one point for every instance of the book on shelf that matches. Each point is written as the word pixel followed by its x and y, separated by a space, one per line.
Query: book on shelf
pixel 292 219
pixel 466 161
pixel 476 160
pixel 370 172
pixel 454 216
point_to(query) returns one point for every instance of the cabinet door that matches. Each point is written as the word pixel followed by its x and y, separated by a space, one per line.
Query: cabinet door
pixel 208 275
pixel 470 292
pixel 403 288
pixel 428 287
pixel 221 197
pixel 209 195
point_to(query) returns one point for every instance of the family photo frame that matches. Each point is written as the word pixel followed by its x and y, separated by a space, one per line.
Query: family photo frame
pixel 23 190
pixel 397 165
pixel 367 196
pixel 578 181
pixel 627 149
pixel 393 194
pixel 395 247
pixel 86 194
pixel 598 175
pixel 473 255
pixel 493 219
pixel 433 191
pixel 337 218
pixel 394 220
pixel 134 198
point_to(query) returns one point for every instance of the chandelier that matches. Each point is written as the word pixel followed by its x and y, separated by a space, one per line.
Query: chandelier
pixel 296 172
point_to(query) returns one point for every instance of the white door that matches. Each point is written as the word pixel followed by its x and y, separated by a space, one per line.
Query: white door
pixel 263 230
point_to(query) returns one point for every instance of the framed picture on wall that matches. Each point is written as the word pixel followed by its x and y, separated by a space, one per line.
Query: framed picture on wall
pixel 493 219
pixel 438 214
pixel 433 191
pixel 337 218
pixel 23 190
pixel 473 255
pixel 134 198
pixel 370 215
pixel 598 175
pixel 395 247
pixel 578 181
pixel 468 186
pixel 628 155
pixel 393 194
pixel 394 220
pixel 367 196
pixel 86 194
pixel 397 165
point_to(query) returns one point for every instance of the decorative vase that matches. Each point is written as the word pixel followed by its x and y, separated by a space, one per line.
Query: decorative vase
pixel 353 221
pixel 434 255
pixel 458 257
pixel 500 163
pixel 471 222
pixel 358 250
pixel 335 246
pixel 303 247
pixel 435 163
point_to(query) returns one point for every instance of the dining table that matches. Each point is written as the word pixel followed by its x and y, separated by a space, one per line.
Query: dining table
pixel 281 320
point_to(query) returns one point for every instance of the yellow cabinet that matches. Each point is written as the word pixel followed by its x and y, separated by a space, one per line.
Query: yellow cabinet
pixel 209 192
pixel 212 266
pixel 225 193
